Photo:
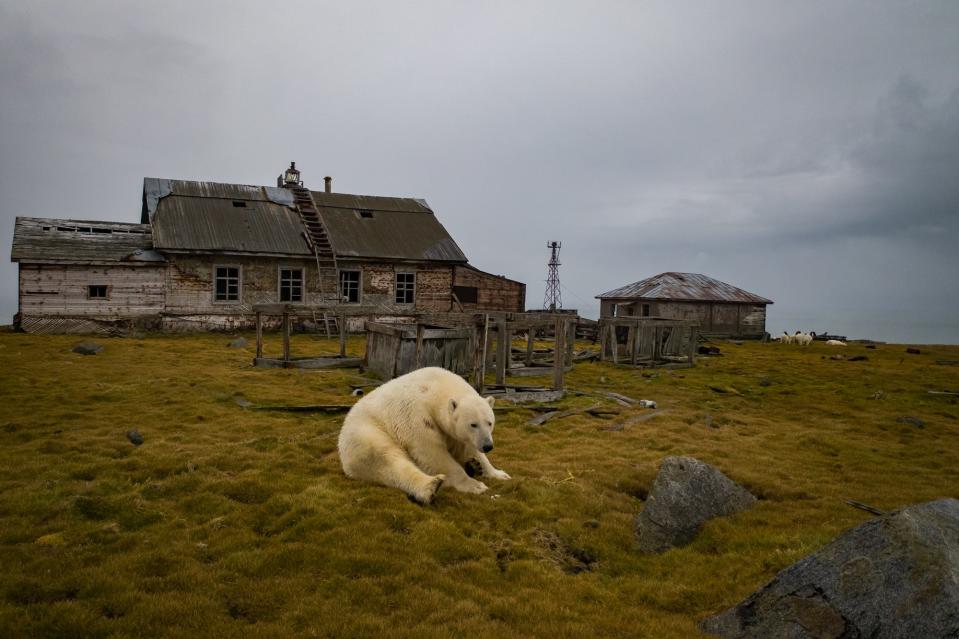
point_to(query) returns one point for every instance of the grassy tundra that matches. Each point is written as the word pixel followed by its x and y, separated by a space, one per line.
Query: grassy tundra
pixel 230 522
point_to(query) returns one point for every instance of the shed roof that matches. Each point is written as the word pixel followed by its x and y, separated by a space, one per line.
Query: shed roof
pixel 60 240
pixel 688 287
pixel 229 218
pixel 385 228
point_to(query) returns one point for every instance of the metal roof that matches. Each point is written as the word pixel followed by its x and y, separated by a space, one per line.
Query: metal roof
pixel 684 287
pixel 229 218
pixel 385 228
pixel 60 240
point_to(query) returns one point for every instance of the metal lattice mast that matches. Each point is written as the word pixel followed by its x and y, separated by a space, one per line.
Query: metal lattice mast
pixel 553 299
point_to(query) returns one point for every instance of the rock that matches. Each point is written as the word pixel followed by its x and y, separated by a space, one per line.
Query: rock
pixel 239 342
pixel 893 576
pixel 135 437
pixel 765 381
pixel 837 356
pixel 708 350
pixel 858 358
pixel 913 351
pixel 88 348
pixel 686 493
pixel 912 421
pixel 871 346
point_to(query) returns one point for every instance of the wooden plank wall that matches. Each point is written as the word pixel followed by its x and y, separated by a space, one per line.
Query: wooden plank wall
pixel 133 291
pixel 493 293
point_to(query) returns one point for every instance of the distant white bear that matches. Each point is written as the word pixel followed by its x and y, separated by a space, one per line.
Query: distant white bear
pixel 786 338
pixel 835 342
pixel 803 339
pixel 417 431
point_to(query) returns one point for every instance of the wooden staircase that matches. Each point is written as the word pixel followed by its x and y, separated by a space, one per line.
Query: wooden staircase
pixel 319 240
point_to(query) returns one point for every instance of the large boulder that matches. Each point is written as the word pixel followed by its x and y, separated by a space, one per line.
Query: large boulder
pixel 896 576
pixel 87 348
pixel 686 493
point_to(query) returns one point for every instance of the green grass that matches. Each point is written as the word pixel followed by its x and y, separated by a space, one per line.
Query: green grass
pixel 229 522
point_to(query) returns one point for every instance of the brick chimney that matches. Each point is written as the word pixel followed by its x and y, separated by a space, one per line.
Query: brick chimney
pixel 329 184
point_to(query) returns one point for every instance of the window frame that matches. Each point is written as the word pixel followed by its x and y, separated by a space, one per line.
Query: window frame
pixel 359 284
pixel 106 291
pixel 279 283
pixel 396 288
pixel 239 284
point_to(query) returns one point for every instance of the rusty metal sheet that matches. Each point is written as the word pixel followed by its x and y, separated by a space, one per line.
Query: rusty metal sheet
pixel 386 228
pixel 691 287
pixel 60 240
pixel 214 223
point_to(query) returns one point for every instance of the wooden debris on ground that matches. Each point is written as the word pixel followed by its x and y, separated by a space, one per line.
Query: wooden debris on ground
pixel 867 508
pixel 596 410
pixel 632 421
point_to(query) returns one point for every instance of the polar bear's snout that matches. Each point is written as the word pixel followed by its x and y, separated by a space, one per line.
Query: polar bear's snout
pixel 487 446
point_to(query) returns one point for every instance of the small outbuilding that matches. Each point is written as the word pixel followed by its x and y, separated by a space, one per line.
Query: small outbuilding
pixel 721 309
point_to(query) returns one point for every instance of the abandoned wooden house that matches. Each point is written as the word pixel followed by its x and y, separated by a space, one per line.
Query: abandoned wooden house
pixel 721 309
pixel 204 253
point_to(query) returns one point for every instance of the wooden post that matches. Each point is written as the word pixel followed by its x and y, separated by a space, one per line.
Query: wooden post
pixel 559 348
pixel 570 341
pixel 502 350
pixel 631 344
pixel 286 336
pixel 692 344
pixel 529 346
pixel 259 335
pixel 657 346
pixel 603 339
pixel 419 344
pixel 636 340
pixel 341 323
pixel 477 341
pixel 482 374
pixel 614 340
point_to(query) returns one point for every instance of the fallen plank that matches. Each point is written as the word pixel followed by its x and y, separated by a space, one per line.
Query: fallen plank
pixel 314 408
pixel 639 419
pixel 595 410
pixel 867 508
pixel 950 393
pixel 948 362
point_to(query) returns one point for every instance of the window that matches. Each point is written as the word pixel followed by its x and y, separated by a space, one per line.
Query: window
pixel 350 286
pixel 365 213
pixel 97 291
pixel 405 284
pixel 226 284
pixel 291 285
pixel 466 294
pixel 645 310
pixel 239 204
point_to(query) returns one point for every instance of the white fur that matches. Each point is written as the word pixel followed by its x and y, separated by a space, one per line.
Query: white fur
pixel 786 338
pixel 803 339
pixel 835 342
pixel 417 431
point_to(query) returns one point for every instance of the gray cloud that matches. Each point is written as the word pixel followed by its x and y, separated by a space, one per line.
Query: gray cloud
pixel 805 151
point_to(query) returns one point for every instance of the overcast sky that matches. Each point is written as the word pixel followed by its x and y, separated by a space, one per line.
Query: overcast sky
pixel 804 151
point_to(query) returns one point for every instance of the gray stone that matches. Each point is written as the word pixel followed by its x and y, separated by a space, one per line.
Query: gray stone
pixel 911 421
pixel 239 342
pixel 88 348
pixel 135 437
pixel 686 493
pixel 894 577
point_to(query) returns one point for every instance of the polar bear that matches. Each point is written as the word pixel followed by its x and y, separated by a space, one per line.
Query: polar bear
pixel 417 431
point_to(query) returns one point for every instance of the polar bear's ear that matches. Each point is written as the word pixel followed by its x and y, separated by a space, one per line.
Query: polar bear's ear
pixel 452 404
pixel 491 400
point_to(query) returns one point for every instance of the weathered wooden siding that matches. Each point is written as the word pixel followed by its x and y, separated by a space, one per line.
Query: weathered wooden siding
pixel 493 293
pixel 63 290
pixel 391 349
pixel 713 317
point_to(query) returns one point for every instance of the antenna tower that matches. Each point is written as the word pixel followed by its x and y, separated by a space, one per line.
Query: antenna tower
pixel 553 299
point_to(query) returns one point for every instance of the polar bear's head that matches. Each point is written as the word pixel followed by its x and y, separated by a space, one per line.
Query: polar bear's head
pixel 471 421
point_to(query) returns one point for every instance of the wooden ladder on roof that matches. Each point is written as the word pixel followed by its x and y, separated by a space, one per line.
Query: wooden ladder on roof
pixel 319 240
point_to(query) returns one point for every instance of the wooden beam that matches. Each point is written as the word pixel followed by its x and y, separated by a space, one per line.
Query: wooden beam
pixel 259 335
pixel 559 348
pixel 419 345
pixel 286 337
pixel 341 324
pixel 531 333
pixel 502 350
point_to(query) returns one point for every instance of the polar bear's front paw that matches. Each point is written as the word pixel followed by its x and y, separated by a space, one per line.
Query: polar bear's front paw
pixel 475 487
pixel 427 493
pixel 499 474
